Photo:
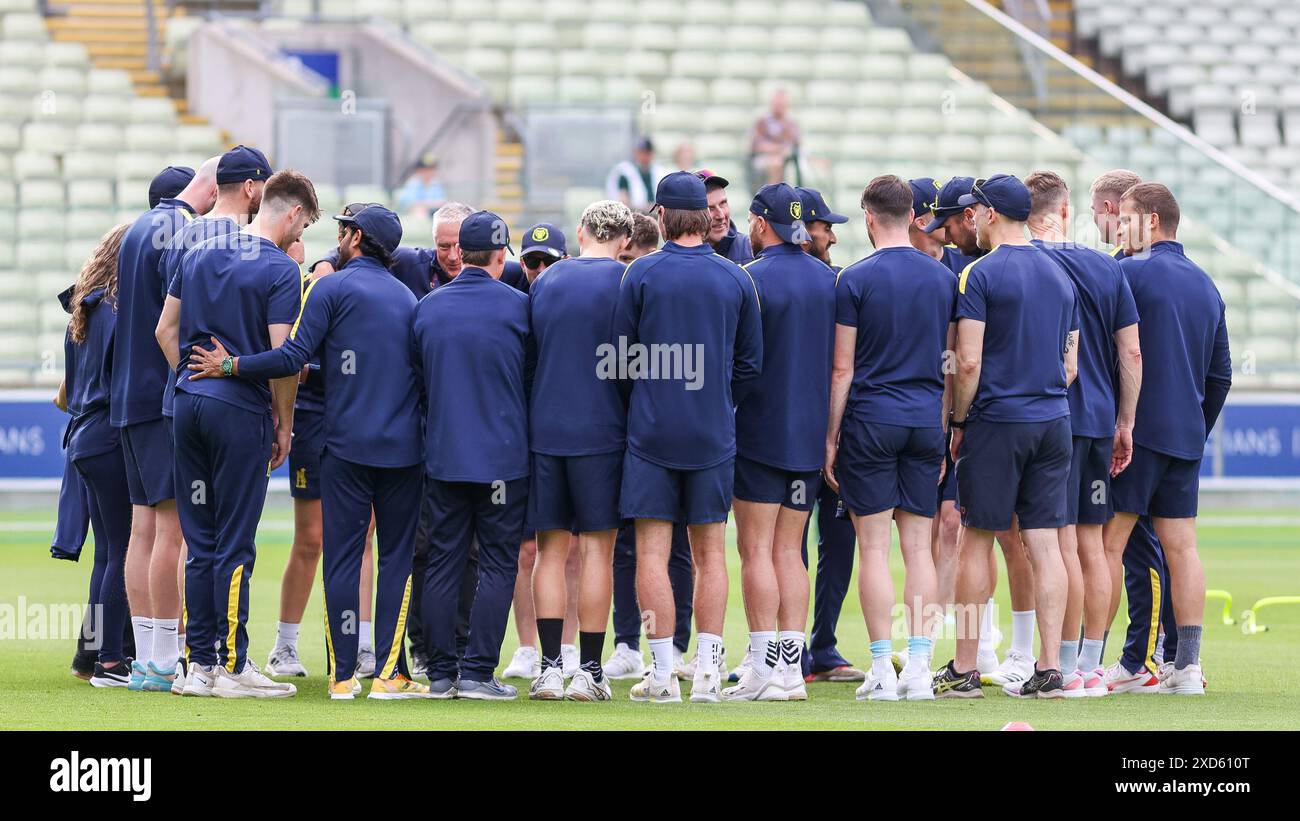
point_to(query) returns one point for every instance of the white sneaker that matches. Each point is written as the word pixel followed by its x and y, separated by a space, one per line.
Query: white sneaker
pixel 625 663
pixel 681 667
pixel 792 680
pixel 549 686
pixel 1184 682
pixel 706 687
pixel 365 663
pixel 284 661
pixel 523 664
pixel 249 683
pixel 753 687
pixel 986 663
pixel 583 687
pixel 178 683
pixel 738 672
pixel 570 659
pixel 900 659
pixel 883 687
pixel 1016 668
pixel 199 680
pixel 659 692
pixel 1120 681
pixel 917 682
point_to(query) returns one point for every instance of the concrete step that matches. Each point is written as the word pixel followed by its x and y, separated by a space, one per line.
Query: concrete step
pixel 93 23
pixel 90 36
pixel 117 50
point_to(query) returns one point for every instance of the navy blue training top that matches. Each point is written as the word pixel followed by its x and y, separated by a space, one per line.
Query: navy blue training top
pixel 1105 305
pixel 193 234
pixel 782 420
pixel 358 321
pixel 311 391
pixel 956 260
pixel 1028 308
pixel 231 288
pixel 901 301
pixel 1185 340
pixel 690 344
pixel 87 373
pixel 140 371
pixel 471 345
pixel 573 410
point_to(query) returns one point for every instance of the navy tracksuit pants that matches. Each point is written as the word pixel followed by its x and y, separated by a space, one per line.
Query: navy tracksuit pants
pixel 1150 608
pixel 349 492
pixel 460 513
pixel 681 576
pixel 419 567
pixel 221 458
pixel 836 545
pixel 104 476
pixel 73 522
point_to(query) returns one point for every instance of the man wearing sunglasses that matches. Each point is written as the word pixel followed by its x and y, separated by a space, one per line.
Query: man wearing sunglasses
pixel 1017 353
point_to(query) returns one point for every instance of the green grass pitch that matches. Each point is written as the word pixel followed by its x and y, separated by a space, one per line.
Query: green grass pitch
pixel 1250 676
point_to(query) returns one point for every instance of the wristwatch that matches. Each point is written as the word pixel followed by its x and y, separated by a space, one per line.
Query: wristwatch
pixel 227 365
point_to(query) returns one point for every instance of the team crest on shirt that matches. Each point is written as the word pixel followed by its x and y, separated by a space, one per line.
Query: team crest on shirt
pixel 540 234
pixel 796 209
pixel 300 480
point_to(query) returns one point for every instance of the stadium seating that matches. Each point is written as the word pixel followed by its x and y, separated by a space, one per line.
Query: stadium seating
pixel 77 150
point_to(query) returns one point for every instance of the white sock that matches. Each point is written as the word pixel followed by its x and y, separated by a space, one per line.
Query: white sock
pixel 1090 654
pixel 792 648
pixel 286 635
pixel 763 652
pixel 366 636
pixel 142 629
pixel 661 658
pixel 987 627
pixel 180 645
pixel 1022 632
pixel 164 644
pixel 708 652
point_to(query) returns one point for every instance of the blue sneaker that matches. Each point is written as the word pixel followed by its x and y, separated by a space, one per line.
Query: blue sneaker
pixel 157 681
pixel 442 688
pixel 136 683
pixel 490 690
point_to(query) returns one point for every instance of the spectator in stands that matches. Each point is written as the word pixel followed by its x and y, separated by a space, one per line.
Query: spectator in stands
pixel 774 140
pixel 632 182
pixel 684 156
pixel 423 192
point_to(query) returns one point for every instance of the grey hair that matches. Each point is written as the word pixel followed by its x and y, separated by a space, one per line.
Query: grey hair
pixel 451 212
pixel 605 220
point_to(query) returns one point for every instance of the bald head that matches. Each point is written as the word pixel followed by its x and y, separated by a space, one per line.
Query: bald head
pixel 201 193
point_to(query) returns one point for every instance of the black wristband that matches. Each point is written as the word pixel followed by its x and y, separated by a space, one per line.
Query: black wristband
pixel 953 423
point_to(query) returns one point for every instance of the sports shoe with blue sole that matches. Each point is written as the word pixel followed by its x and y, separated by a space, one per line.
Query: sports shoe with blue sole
pixel 157 681
pixel 137 677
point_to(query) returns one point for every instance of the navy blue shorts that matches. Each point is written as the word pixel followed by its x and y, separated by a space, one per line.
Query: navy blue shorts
pixel 147 448
pixel 575 493
pixel 881 467
pixel 1156 484
pixel 948 487
pixel 1014 468
pixel 764 484
pixel 692 497
pixel 1087 498
pixel 304 454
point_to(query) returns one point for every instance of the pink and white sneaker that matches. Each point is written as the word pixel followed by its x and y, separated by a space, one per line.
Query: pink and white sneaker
pixel 1072 685
pixel 1119 681
pixel 1094 682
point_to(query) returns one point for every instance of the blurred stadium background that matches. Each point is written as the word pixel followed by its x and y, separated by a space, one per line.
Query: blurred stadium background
pixel 527 105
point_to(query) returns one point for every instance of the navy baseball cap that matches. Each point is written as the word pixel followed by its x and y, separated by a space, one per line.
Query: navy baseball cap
pixel 945 205
pixel 712 180
pixel 815 207
pixel 780 205
pixel 682 190
pixel 378 223
pixel 242 163
pixel 484 231
pixel 925 192
pixel 168 183
pixel 544 238
pixel 1003 193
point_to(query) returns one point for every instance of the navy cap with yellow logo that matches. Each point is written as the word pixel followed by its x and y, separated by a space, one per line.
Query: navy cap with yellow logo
pixel 242 163
pixel 925 195
pixel 816 208
pixel 483 231
pixel 780 205
pixel 945 205
pixel 544 238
